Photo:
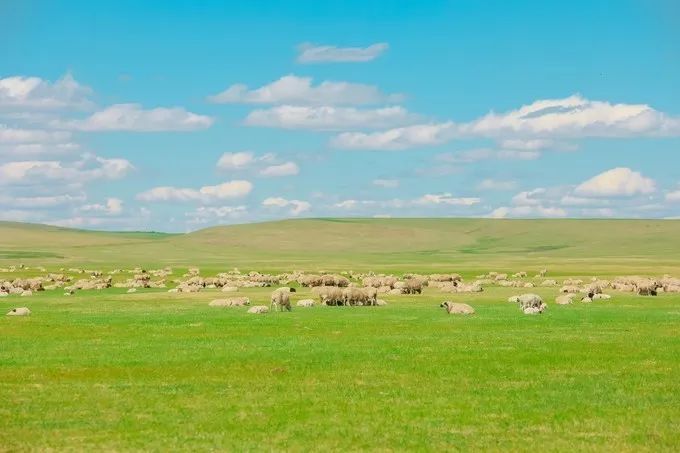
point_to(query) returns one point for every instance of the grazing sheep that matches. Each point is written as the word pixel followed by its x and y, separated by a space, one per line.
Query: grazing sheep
pixel 280 298
pixel 305 303
pixel 456 308
pixel 21 311
pixel 258 309
pixel 529 303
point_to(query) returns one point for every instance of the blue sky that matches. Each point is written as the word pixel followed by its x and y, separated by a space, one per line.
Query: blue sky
pixel 124 115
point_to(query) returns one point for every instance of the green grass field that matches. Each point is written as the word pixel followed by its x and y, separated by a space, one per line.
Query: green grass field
pixel 154 371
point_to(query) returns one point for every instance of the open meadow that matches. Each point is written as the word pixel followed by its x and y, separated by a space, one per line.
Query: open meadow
pixel 113 370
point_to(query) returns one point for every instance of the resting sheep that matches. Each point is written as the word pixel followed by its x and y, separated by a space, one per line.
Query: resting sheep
pixel 258 309
pixel 455 308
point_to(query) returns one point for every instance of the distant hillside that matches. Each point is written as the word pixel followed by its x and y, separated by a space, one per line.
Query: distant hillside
pixel 362 244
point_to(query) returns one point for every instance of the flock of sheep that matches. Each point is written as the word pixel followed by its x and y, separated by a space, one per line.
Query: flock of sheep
pixel 344 289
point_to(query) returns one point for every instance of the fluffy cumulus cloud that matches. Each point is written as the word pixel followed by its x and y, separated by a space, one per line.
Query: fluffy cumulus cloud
pixel 446 198
pixel 616 182
pixel 112 206
pixel 209 214
pixel 532 127
pixel 294 90
pixel 134 118
pixel 396 139
pixel 285 169
pixel 673 196
pixel 310 53
pixel 236 161
pixel 33 93
pixel 205 195
pixel 329 118
pixel 13 135
pixel 295 207
pixel 88 168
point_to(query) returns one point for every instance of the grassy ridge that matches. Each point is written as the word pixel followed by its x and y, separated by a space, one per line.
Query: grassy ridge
pixel 566 246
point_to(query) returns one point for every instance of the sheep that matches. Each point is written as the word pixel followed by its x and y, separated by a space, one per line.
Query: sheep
pixel 565 299
pixel 520 274
pixel 305 303
pixel 281 299
pixel 413 286
pixel 230 302
pixel 456 308
pixel 586 299
pixel 329 295
pixel 359 296
pixel 21 311
pixel 570 289
pixel 380 303
pixel 601 296
pixel 258 309
pixel 529 303
pixel 549 282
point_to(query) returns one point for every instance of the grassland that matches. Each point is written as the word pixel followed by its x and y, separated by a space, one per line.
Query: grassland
pixel 153 371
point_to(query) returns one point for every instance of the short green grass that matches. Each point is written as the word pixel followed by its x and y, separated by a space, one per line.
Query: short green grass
pixel 153 371
pixel 165 372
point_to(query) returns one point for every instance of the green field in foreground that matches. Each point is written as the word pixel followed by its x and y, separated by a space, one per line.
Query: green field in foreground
pixel 165 372
pixel 110 371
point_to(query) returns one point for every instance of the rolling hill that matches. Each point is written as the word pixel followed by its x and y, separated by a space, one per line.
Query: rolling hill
pixel 468 245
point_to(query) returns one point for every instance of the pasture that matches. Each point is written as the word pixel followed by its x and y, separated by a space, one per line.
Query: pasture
pixel 158 371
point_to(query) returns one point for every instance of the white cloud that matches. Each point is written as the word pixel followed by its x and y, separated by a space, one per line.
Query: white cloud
pixel 41 202
pixel 292 89
pixel 113 206
pixel 530 128
pixel 38 149
pixel 571 200
pixel 673 196
pixel 34 93
pixel 297 207
pixel 89 168
pixel 527 211
pixel 477 154
pixel 537 144
pixel 446 198
pixel 386 183
pixel 496 184
pixel 13 135
pixel 285 169
pixel 133 118
pixel 207 214
pixel 329 118
pixel 616 182
pixel 236 161
pixel 529 198
pixel 396 139
pixel 206 194
pixel 310 53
